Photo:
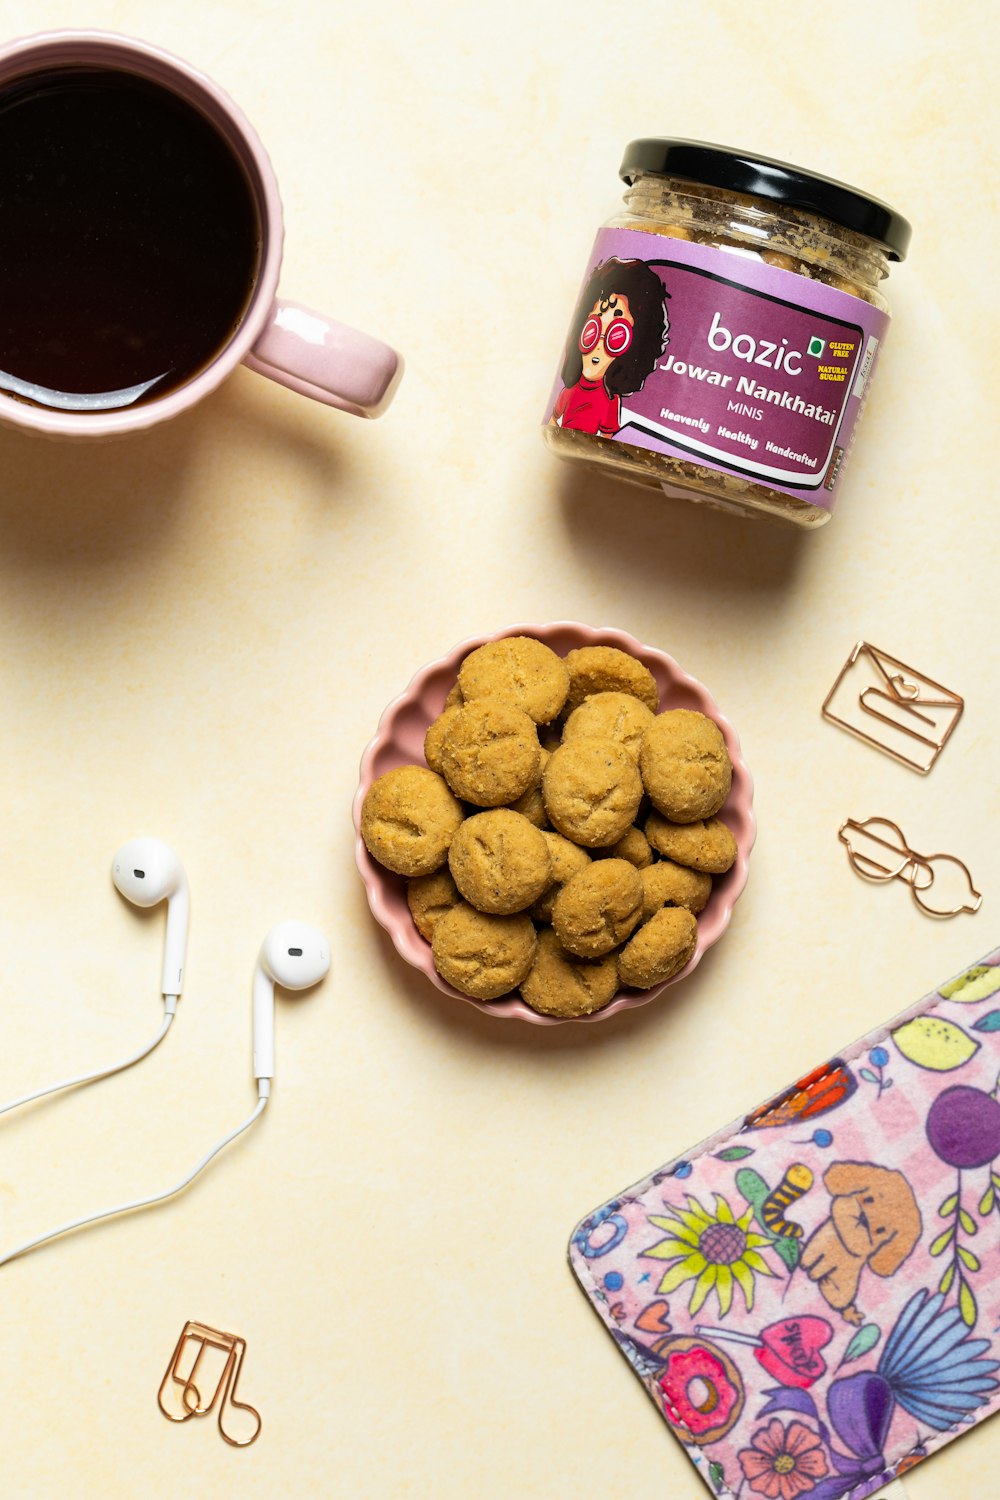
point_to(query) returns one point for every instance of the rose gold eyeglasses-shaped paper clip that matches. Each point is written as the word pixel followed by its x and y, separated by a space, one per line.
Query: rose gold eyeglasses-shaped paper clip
pixel 192 1402
pixel 877 849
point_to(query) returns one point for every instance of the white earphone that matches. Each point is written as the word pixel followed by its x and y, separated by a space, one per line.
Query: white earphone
pixel 146 872
pixel 293 956
pixel 296 957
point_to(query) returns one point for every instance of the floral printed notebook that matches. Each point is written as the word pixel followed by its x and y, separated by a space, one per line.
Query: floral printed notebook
pixel 812 1298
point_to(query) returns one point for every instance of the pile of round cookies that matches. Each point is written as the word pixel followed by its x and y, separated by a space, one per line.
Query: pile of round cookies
pixel 527 866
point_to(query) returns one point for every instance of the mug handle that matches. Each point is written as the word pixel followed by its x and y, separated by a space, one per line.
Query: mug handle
pixel 318 357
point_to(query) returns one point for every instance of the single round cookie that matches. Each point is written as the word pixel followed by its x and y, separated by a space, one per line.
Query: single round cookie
pixel 667 884
pixel 706 845
pixel 521 671
pixel 409 819
pixel 481 955
pixel 592 792
pixel 560 984
pixel 499 861
pixel 434 739
pixel 566 860
pixel 605 669
pixel 633 846
pixel 429 897
pixel 619 717
pixel 597 909
pixel 685 765
pixel 490 755
pixel 659 950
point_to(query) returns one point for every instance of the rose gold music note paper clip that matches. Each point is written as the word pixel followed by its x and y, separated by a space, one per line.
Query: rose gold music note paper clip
pixel 206 1359
pixel 893 707
pixel 878 850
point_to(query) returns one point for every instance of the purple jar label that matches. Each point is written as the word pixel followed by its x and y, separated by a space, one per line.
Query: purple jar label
pixel 716 358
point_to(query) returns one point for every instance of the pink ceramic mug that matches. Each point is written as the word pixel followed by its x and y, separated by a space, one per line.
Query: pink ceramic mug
pixel 300 348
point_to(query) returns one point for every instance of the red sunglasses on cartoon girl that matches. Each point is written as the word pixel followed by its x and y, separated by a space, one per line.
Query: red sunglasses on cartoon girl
pixel 616 337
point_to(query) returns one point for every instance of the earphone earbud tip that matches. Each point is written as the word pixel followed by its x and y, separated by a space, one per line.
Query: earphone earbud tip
pixel 296 955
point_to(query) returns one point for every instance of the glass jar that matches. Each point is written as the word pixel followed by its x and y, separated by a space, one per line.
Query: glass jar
pixel 728 331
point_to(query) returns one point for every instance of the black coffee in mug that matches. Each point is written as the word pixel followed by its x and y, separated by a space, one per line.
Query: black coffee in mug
pixel 129 240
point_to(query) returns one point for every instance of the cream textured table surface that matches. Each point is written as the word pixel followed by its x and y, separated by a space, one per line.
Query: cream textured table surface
pixel 200 630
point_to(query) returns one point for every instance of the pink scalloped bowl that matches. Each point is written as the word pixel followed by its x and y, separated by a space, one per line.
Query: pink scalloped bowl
pixel 399 740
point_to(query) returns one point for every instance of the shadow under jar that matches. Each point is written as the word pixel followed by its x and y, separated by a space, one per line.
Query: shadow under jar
pixel 727 332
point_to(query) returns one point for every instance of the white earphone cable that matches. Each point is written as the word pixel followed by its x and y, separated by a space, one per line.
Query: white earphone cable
pixel 72 1083
pixel 264 1090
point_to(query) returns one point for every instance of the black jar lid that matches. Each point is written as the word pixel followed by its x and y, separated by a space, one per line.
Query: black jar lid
pixel 719 166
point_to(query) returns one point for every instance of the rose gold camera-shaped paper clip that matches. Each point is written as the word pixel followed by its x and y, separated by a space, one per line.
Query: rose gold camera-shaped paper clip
pixel 192 1400
pixel 877 850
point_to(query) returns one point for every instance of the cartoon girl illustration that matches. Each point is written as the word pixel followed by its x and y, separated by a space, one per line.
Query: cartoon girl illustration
pixel 618 333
